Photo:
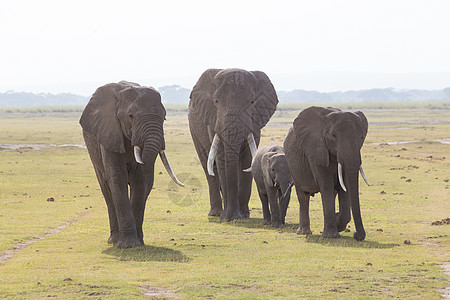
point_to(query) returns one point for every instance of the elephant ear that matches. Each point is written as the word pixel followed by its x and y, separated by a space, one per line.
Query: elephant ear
pixel 265 166
pixel 266 100
pixel 100 117
pixel 364 122
pixel 308 128
pixel 201 102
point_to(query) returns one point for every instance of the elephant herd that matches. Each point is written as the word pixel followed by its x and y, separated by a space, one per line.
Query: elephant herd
pixel 123 131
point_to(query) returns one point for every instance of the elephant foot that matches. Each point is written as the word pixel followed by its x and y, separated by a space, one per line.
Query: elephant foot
pixel 331 233
pixel 304 230
pixel 276 224
pixel 341 222
pixel 359 235
pixel 113 238
pixel 129 243
pixel 245 214
pixel 266 222
pixel 341 227
pixel 230 216
pixel 215 212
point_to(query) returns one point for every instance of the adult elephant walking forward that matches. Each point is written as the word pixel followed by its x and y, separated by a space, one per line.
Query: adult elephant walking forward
pixel 123 130
pixel 227 110
pixel 323 152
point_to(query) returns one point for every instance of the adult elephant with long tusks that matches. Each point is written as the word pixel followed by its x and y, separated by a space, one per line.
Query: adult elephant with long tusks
pixel 123 130
pixel 323 152
pixel 227 109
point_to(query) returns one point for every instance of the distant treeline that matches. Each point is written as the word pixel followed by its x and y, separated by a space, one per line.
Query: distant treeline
pixel 372 95
pixel 175 94
pixel 12 99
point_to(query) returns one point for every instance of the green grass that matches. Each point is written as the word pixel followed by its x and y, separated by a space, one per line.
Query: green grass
pixel 192 255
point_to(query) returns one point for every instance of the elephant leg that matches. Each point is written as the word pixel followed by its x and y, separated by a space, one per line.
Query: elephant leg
pixel 272 194
pixel 113 223
pixel 344 216
pixel 265 207
pixel 329 213
pixel 96 158
pixel 215 199
pixel 303 200
pixel 116 175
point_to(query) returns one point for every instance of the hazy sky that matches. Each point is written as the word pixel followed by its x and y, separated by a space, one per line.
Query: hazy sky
pixel 76 46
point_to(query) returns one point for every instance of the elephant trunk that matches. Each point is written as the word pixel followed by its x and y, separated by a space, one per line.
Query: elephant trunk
pixel 152 147
pixel 349 161
pixel 285 197
pixel 351 178
pixel 213 152
pixel 148 142
pixel 232 181
pixel 148 136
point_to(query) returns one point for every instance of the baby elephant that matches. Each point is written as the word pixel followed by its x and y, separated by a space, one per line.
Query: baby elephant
pixel 273 180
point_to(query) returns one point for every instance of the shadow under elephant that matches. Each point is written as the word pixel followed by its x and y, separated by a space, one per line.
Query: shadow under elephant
pixel 343 241
pixel 347 241
pixel 147 253
pixel 252 223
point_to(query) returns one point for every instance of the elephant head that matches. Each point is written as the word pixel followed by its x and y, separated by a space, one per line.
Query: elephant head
pixel 330 136
pixel 233 104
pixel 125 115
pixel 276 174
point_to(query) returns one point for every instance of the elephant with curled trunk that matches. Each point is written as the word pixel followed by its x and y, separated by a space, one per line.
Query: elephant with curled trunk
pixel 227 110
pixel 273 180
pixel 323 151
pixel 123 130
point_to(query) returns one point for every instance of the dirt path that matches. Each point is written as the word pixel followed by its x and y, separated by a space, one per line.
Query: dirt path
pixel 10 253
pixel 446 291
pixel 443 141
pixel 4 147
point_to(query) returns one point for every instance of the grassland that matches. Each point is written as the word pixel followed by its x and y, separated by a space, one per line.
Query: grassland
pixel 58 248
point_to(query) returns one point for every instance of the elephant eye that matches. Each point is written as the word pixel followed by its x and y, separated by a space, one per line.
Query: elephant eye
pixel 333 135
pixel 130 116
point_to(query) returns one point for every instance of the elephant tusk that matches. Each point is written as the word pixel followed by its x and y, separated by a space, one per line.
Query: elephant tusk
pixel 341 180
pixel 288 189
pixel 363 175
pixel 253 149
pixel 212 155
pixel 252 144
pixel 166 164
pixel 137 155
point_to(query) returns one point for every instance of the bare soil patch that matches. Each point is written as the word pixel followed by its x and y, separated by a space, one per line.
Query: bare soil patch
pixel 441 222
pixel 152 292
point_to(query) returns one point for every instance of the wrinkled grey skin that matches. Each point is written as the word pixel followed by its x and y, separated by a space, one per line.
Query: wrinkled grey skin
pixel 317 141
pixel 230 103
pixel 273 180
pixel 118 117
